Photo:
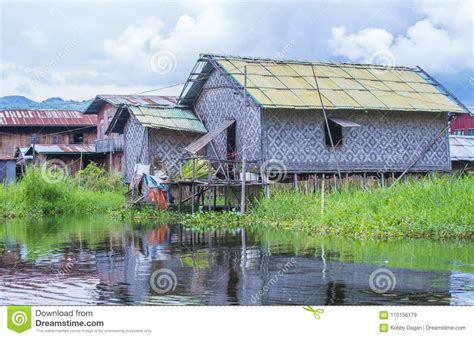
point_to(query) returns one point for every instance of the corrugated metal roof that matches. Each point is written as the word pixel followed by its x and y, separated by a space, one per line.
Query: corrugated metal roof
pixel 61 149
pixel 45 117
pixel 344 122
pixel 293 84
pixel 461 148
pixel 169 118
pixel 200 143
pixel 136 100
pixel 172 117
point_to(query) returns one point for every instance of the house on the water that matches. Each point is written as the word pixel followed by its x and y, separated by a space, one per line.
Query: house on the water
pixel 105 107
pixel 155 135
pixel 317 117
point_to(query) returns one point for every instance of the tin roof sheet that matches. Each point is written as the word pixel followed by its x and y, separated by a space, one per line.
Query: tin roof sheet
pixel 45 117
pixel 169 118
pixel 461 148
pixel 136 100
pixel 61 149
pixel 172 117
pixel 294 84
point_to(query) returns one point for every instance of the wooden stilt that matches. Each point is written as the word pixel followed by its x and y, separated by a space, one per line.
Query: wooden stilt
pixel 214 193
pixel 295 181
pixel 226 197
pixel 180 196
pixel 382 180
pixel 193 188
pixel 209 179
pixel 315 183
pixel 322 194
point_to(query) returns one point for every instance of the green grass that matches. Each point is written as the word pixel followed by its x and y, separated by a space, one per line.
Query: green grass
pixel 434 207
pixel 36 195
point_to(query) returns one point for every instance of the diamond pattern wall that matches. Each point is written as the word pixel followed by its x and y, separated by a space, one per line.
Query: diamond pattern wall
pixel 386 141
pixel 220 100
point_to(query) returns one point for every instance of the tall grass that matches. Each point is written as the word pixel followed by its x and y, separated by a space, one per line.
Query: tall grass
pixel 35 195
pixel 435 207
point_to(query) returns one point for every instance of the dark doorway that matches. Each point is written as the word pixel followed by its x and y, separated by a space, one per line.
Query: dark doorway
pixel 231 142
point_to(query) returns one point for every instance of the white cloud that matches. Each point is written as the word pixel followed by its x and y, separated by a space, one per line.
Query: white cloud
pixel 135 48
pixel 36 37
pixel 442 42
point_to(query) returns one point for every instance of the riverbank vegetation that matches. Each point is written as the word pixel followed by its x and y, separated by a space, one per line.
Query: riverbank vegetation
pixel 433 207
pixel 41 193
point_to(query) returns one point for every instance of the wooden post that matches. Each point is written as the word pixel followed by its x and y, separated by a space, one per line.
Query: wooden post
pixel 180 192
pixel 335 182
pixel 364 180
pixel 347 181
pixel 382 180
pixel 214 193
pixel 315 183
pixel 322 193
pixel 209 179
pixel 242 197
pixel 295 181
pixel 193 187
pixel 226 196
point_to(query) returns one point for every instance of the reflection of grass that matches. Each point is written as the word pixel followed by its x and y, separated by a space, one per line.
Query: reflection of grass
pixel 198 260
pixel 42 236
pixel 422 254
pixel 429 208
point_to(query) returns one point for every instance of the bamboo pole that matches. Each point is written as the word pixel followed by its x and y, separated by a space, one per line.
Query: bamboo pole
pixel 322 194
pixel 242 197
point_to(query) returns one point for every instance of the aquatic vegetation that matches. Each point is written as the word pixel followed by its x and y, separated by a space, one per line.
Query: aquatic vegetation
pixel 434 207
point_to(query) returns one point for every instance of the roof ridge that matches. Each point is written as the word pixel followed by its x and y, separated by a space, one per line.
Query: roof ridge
pixel 315 62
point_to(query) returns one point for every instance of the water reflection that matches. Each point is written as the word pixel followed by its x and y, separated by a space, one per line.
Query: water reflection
pixel 93 261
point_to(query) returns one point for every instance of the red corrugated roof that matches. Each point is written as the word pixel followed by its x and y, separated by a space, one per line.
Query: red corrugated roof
pixel 45 117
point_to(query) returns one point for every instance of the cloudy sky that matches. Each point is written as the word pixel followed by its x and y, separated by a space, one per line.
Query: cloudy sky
pixel 77 49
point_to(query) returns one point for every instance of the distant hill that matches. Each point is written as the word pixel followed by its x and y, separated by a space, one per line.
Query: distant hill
pixel 21 102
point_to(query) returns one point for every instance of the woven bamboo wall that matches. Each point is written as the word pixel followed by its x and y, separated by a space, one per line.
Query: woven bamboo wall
pixel 386 141
pixel 220 100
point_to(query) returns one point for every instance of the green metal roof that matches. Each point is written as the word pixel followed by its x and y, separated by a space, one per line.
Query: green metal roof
pixel 166 117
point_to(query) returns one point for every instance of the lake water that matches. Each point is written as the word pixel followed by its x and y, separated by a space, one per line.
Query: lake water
pixel 74 261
